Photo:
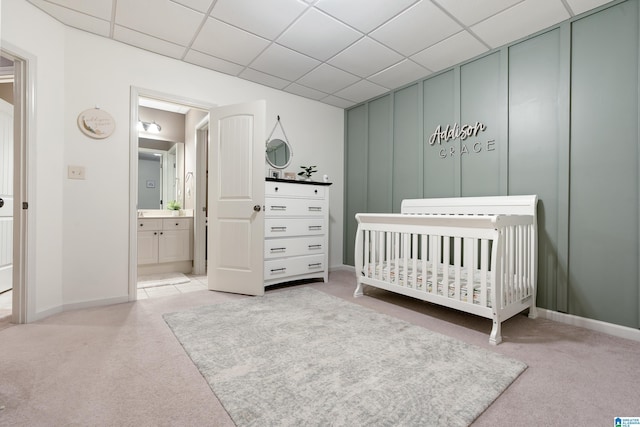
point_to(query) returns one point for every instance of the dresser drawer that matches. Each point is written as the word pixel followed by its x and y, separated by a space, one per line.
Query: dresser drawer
pixel 149 224
pixel 286 189
pixel 296 246
pixel 285 227
pixel 274 269
pixel 176 223
pixel 294 207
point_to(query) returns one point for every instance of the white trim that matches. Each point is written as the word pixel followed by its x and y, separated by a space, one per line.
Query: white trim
pixel 594 325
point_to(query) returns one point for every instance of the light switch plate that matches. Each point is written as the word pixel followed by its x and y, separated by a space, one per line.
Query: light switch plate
pixel 76 172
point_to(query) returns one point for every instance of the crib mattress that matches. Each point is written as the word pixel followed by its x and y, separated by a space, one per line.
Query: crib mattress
pixel 388 271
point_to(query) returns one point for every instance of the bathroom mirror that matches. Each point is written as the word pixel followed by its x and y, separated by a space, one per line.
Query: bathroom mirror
pixel 278 153
pixel 160 171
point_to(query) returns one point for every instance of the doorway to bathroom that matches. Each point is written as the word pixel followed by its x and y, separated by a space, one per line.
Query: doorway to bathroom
pixel 165 151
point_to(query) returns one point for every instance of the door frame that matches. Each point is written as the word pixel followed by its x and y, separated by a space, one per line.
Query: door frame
pixel 135 94
pixel 200 207
pixel 24 170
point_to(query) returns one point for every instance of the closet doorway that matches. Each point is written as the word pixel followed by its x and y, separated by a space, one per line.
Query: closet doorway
pixel 16 86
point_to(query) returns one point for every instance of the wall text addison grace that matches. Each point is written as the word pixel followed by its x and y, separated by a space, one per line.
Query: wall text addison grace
pixel 463 133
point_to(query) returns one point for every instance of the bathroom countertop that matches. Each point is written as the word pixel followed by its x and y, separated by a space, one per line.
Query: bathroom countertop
pixel 157 213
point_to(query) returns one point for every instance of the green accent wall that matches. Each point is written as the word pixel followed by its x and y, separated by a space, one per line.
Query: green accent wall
pixel 562 121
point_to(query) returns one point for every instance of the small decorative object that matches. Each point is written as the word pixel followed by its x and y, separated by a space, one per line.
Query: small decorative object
pixel 174 206
pixel 289 175
pixel 96 123
pixel 307 172
pixel 325 178
pixel 274 173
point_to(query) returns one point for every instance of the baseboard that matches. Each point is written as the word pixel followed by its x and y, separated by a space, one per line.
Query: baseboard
pixel 594 325
pixel 46 313
pixel 95 303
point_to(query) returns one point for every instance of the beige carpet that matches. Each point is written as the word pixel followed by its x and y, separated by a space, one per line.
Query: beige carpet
pixel 320 361
pixel 120 365
pixel 161 279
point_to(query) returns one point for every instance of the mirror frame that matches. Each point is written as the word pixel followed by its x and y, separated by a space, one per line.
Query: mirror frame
pixel 266 154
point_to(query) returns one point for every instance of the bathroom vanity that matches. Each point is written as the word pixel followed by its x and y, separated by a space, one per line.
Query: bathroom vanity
pixel 165 244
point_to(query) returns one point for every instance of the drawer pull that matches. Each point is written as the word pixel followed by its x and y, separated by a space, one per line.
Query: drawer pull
pixel 278 250
pixel 315 246
pixel 278 228
pixel 278 270
pixel 315 265
pixel 278 208
pixel 315 208
pixel 315 227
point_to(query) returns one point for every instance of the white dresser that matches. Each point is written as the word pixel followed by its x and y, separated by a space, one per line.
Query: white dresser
pixel 296 231
pixel 164 245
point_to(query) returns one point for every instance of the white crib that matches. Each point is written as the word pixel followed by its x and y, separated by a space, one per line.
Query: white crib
pixel 474 254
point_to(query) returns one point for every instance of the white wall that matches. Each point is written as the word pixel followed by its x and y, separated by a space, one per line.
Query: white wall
pixel 88 259
pixel 41 41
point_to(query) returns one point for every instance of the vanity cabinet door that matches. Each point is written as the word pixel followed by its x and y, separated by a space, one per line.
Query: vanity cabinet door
pixel 174 245
pixel 148 247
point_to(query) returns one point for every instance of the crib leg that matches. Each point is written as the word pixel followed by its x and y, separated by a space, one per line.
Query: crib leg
pixel 358 292
pixel 496 333
pixel 533 312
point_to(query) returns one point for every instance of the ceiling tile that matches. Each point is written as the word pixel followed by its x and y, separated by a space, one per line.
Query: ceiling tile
pixel 264 79
pixel 305 91
pixel 361 91
pixel 416 28
pixel 166 20
pixel 364 15
pixel 213 63
pixel 449 52
pixel 472 12
pixel 580 6
pixel 264 18
pixel 531 15
pixel 146 42
pixel 318 35
pixel 365 57
pixel 229 43
pixel 76 19
pixel 199 5
pixel 98 8
pixel 337 102
pixel 399 75
pixel 328 79
pixel 282 62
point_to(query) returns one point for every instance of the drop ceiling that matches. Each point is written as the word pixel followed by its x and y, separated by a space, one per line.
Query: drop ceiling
pixel 340 52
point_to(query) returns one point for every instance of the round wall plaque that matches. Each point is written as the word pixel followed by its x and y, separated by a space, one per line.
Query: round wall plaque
pixel 96 123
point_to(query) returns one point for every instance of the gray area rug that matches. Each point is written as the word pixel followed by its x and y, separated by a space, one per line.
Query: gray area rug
pixel 302 357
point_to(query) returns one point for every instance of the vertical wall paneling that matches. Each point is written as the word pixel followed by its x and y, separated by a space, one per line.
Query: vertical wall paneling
pixel 534 143
pixel 562 109
pixel 603 249
pixel 380 155
pixel 355 174
pixel 441 171
pixel 407 147
pixel 481 96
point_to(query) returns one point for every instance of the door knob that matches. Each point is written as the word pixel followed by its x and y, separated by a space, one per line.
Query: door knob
pixel 257 208
pixel 1 202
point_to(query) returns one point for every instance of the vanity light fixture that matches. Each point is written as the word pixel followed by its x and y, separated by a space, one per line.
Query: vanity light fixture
pixel 149 127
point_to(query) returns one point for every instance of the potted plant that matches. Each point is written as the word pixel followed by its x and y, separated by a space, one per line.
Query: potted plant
pixel 174 206
pixel 307 172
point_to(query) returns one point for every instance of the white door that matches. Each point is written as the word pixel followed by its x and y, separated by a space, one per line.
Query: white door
pixel 236 196
pixel 6 195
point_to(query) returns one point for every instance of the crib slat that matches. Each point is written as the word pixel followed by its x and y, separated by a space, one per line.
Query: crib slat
pixel 414 260
pixel 446 256
pixel 457 262
pixel 484 269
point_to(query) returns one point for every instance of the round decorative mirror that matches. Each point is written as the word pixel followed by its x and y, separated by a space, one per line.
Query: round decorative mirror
pixel 278 153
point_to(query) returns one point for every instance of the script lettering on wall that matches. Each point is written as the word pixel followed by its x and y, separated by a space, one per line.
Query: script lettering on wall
pixel 463 133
